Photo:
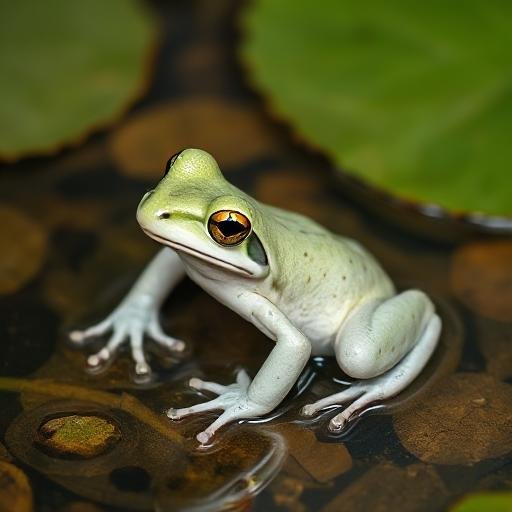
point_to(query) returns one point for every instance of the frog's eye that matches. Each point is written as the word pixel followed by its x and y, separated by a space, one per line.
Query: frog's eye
pixel 228 227
pixel 171 161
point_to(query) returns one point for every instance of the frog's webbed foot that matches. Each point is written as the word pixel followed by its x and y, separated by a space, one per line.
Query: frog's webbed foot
pixel 129 323
pixel 363 394
pixel 232 399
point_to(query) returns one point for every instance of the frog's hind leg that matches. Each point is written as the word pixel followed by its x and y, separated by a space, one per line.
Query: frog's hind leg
pixel 406 316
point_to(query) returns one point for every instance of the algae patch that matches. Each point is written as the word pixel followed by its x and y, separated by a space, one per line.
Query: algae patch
pixel 76 436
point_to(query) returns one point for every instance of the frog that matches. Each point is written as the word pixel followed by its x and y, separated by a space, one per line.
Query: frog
pixel 311 291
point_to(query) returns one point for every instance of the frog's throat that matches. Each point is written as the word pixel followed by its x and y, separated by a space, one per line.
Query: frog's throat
pixel 198 254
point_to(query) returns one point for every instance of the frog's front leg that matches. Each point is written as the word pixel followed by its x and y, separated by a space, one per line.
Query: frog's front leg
pixel 386 344
pixel 137 314
pixel 246 399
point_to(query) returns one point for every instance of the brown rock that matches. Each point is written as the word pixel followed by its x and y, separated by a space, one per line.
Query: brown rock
pixel 467 417
pixel 15 490
pixel 292 469
pixel 323 461
pixel 76 436
pixel 23 246
pixel 229 131
pixel 385 487
pixel 481 277
pixel 495 343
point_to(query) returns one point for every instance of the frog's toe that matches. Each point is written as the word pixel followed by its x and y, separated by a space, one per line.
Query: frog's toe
pixel 229 415
pixel 338 423
pixel 213 387
pixel 100 358
pixel 240 409
pixel 203 437
pixel 309 410
pixel 355 409
pixel 350 393
pixel 142 368
pixel 156 332
pixel 108 351
pixel 81 336
pixel 241 386
pixel 77 336
pixel 173 414
pixel 177 414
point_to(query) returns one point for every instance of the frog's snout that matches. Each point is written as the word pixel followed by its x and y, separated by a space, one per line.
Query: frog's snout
pixel 145 197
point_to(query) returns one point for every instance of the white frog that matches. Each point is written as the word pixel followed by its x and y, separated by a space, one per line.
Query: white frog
pixel 311 291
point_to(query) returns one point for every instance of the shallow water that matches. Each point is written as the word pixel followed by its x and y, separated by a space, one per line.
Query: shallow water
pixel 449 434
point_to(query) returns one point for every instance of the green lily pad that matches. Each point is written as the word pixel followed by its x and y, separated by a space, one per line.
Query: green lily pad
pixel 413 97
pixel 485 502
pixel 67 68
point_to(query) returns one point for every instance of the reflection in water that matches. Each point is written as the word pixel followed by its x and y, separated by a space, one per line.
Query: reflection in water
pixel 146 469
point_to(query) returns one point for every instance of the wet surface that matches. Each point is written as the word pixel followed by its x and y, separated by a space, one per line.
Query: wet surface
pixel 71 248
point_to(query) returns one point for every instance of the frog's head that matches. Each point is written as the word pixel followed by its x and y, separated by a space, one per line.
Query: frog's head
pixel 197 212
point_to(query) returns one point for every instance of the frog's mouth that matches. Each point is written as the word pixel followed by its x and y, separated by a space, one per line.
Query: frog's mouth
pixel 198 254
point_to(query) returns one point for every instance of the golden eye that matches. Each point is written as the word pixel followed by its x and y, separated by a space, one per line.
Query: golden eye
pixel 228 227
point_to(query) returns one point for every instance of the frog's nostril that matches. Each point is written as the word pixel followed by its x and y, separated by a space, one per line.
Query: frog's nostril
pixel 163 215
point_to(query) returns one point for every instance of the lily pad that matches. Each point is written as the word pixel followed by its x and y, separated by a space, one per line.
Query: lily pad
pixel 413 97
pixel 67 68
pixel 485 501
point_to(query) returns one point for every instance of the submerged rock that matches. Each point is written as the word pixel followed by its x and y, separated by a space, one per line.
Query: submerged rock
pixel 77 436
pixel 322 461
pixel 143 144
pixel 481 279
pixel 466 418
pixel 15 490
pixel 415 488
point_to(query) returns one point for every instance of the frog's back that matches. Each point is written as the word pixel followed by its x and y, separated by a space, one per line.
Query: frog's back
pixel 331 252
pixel 296 223
pixel 319 277
pixel 340 253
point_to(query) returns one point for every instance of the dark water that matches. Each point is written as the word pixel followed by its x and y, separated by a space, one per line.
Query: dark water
pixel 449 434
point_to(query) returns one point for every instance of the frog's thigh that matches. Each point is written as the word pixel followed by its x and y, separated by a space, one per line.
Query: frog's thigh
pixel 366 392
pixel 381 332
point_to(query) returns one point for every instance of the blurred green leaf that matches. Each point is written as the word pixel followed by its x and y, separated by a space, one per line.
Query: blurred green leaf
pixel 485 502
pixel 414 97
pixel 66 68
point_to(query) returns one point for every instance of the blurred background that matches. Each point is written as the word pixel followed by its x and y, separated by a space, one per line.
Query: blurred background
pixel 386 122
